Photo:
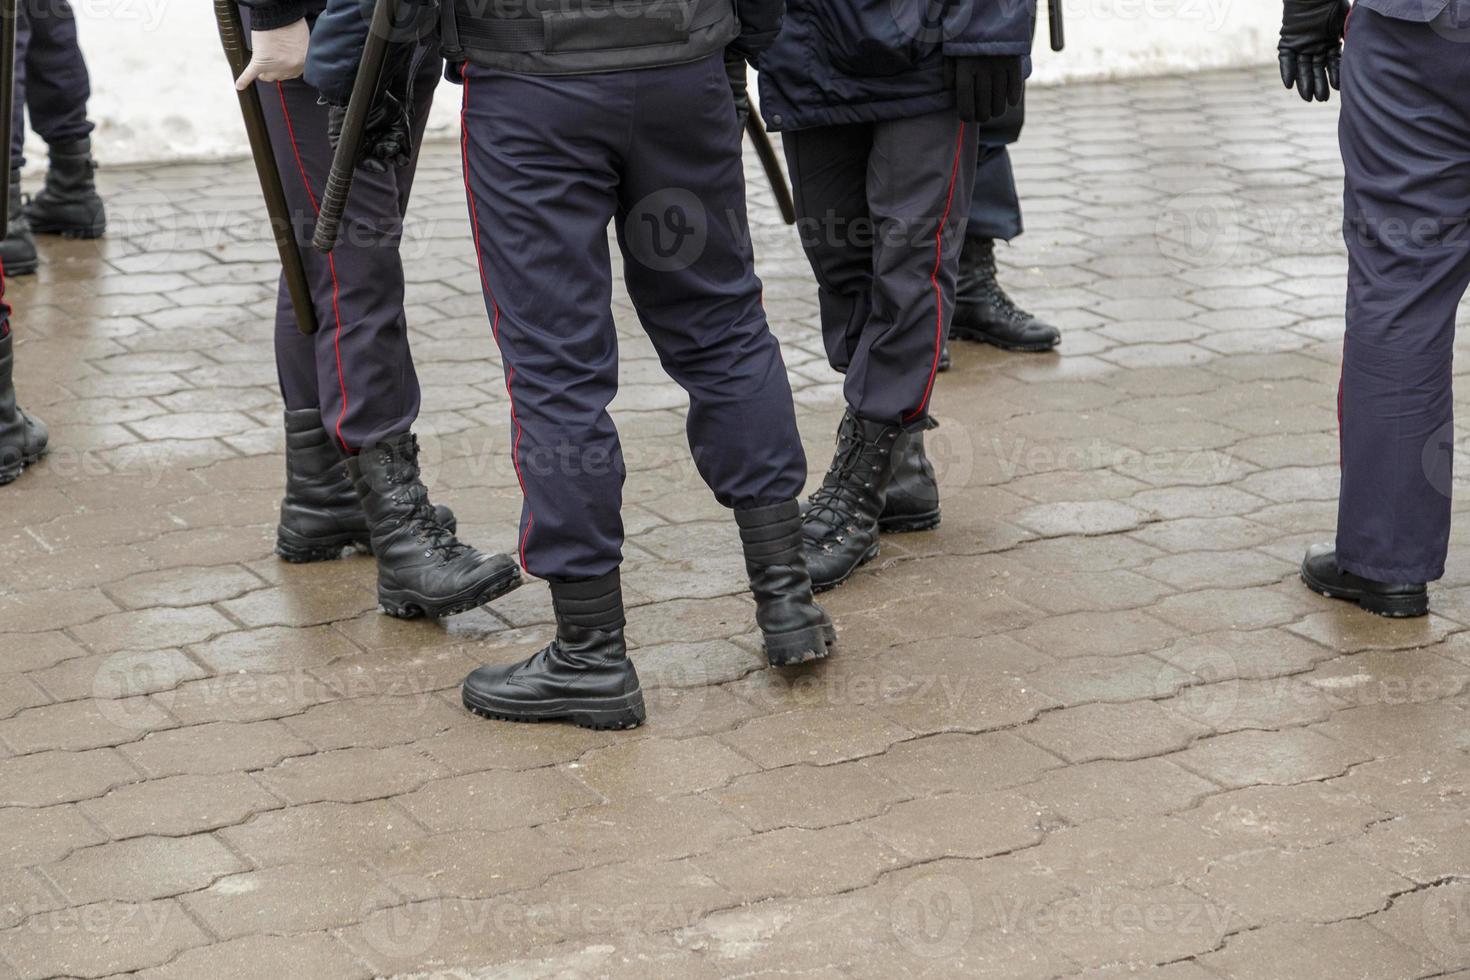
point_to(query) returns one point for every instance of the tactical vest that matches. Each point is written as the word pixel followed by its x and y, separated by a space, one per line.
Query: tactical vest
pixel 574 37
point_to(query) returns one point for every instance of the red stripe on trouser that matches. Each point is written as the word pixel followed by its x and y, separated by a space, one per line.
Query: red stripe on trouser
pixel 510 371
pixel 1341 377
pixel 934 278
pixel 331 267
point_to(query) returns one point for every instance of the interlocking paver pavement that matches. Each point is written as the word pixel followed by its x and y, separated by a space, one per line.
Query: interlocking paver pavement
pixel 1090 726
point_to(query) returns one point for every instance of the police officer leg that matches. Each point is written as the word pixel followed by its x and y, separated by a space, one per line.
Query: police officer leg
pixel 321 517
pixel 540 158
pixel 829 168
pixel 829 177
pixel 56 93
pixel 829 173
pixel 918 190
pixel 689 268
pixel 18 249
pixel 368 391
pixel 983 310
pixel 1407 202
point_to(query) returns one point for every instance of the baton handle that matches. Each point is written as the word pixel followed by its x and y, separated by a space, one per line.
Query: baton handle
pixel 354 126
pixel 334 203
pixel 232 37
pixel 771 162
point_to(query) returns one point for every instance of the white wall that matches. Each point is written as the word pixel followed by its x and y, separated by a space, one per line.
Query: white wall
pixel 161 89
pixel 1118 38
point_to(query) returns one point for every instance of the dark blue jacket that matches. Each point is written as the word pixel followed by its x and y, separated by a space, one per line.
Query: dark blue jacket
pixel 337 40
pixel 267 15
pixel 852 61
pixel 340 32
pixel 1418 11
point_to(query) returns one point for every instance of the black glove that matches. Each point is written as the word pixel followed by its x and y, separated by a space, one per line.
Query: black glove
pixel 387 139
pixel 387 136
pixel 984 86
pixel 739 84
pixel 1311 46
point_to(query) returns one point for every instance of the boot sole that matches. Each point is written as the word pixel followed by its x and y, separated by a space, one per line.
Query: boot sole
pixel 829 586
pixel 601 714
pixel 12 473
pixel 800 646
pixel 299 550
pixel 914 522
pixel 978 336
pixel 406 604
pixel 1390 607
pixel 23 268
pixel 74 232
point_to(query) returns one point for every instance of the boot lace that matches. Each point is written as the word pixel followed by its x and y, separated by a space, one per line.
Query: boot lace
pixel 848 480
pixel 424 522
pixel 421 518
pixel 991 294
pixel 1005 306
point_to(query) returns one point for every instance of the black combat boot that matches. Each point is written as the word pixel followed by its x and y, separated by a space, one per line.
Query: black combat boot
pixel 912 500
pixel 22 438
pixel 794 627
pixel 321 517
pixel 1396 600
pixel 583 675
pixel 984 312
pixel 840 526
pixel 423 569
pixel 18 248
pixel 944 354
pixel 68 204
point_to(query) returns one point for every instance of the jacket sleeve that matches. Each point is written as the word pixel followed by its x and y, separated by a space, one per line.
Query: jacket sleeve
pixel 267 15
pixel 337 41
pixel 760 22
pixel 341 33
pixel 989 27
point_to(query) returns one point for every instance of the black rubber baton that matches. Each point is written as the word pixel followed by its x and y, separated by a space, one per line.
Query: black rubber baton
pixel 354 125
pixel 772 164
pixel 232 36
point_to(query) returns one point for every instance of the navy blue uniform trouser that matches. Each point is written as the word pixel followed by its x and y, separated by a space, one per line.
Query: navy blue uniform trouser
pixel 50 76
pixel 1405 135
pixel 549 163
pixel 881 209
pixel 995 209
pixel 357 369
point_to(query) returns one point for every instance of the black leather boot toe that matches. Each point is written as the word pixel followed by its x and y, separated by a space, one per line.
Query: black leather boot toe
pixel 839 528
pixel 23 438
pixel 985 313
pixel 68 204
pixel 795 629
pixel 423 569
pixel 584 675
pixel 1396 600
pixel 912 500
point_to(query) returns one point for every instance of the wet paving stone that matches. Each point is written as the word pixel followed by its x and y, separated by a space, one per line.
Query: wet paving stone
pixel 1091 726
